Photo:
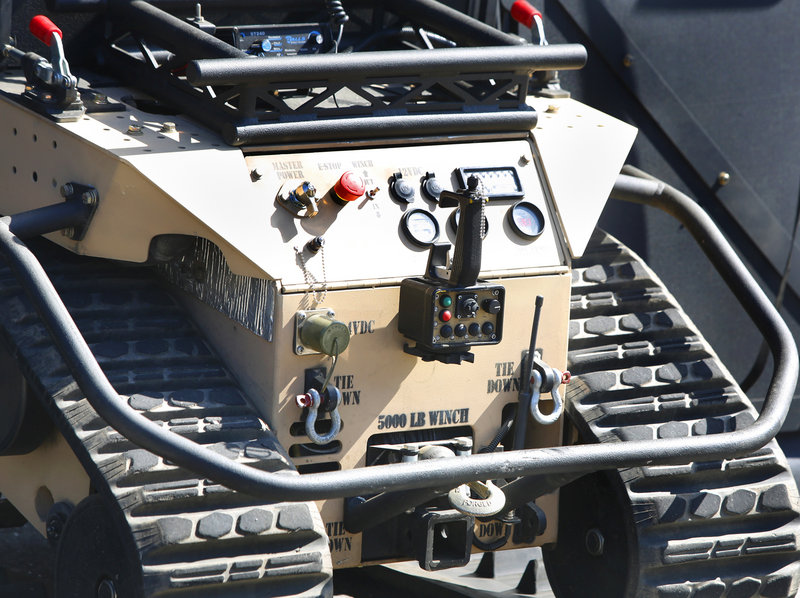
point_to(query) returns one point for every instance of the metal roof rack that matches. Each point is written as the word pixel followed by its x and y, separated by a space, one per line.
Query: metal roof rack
pixel 313 97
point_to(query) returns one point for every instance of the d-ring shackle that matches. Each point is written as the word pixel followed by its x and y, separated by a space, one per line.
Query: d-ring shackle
pixel 313 409
pixel 536 390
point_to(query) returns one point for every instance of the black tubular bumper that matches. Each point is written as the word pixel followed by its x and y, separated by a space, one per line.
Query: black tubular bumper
pixel 443 473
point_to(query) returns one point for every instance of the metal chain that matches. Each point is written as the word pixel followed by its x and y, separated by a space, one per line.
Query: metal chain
pixel 310 279
pixel 483 200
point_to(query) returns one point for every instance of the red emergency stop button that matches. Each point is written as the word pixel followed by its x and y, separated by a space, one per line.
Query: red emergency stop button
pixel 350 186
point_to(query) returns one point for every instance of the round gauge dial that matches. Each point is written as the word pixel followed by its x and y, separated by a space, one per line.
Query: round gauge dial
pixel 456 215
pixel 526 220
pixel 420 227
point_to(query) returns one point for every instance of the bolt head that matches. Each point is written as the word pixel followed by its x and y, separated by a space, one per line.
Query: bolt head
pixel 595 542
pixel 300 349
pixel 627 61
pixel 66 190
pixel 89 198
pixel 106 589
pixel 723 178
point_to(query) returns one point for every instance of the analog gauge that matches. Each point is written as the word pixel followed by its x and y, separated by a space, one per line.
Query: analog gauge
pixel 454 222
pixel 420 227
pixel 526 220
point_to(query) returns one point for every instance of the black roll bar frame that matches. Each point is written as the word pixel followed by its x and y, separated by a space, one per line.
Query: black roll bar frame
pixel 443 472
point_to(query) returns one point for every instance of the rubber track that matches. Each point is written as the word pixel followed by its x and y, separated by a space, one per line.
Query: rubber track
pixel 726 529
pixel 194 537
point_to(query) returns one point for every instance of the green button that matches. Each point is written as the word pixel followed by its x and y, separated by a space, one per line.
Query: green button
pixel 446 301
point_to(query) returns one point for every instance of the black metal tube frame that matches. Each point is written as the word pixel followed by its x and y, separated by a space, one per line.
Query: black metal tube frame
pixel 455 88
pixel 492 60
pixel 452 23
pixel 457 470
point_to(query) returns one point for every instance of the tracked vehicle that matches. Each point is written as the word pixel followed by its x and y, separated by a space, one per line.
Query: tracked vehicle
pixel 297 287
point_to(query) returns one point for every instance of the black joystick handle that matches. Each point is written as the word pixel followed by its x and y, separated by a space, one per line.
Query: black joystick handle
pixel 467 255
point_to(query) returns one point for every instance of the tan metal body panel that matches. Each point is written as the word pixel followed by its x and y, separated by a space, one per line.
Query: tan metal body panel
pixel 378 379
pixel 59 477
pixel 187 183
pixel 582 150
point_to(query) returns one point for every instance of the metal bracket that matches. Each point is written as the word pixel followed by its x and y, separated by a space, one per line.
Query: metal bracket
pixel 90 198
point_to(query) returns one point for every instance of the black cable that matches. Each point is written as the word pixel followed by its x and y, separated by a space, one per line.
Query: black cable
pixel 505 428
pixel 763 353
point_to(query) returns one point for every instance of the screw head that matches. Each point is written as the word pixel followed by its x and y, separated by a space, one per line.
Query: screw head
pixel 627 61
pixel 89 198
pixel 67 190
pixel 300 349
pixel 723 178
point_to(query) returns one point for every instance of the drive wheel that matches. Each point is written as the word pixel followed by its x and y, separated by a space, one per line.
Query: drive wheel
pixel 96 557
pixel 721 529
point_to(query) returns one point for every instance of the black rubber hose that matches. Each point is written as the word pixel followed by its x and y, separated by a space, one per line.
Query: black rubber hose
pixel 440 472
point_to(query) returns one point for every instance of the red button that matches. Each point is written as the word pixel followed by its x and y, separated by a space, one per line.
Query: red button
pixel 445 316
pixel 350 187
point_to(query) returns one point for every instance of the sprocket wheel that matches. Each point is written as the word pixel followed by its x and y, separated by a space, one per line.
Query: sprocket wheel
pixel 95 557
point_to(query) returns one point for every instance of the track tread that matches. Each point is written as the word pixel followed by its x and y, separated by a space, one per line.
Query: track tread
pixel 189 532
pixel 642 371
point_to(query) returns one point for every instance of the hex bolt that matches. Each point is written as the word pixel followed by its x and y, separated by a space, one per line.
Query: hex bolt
pixel 56 520
pixel 106 589
pixel 89 198
pixel 552 109
pixel 68 232
pixel 134 130
pixel 67 190
pixel 723 178
pixel 168 127
pixel 595 542
pixel 255 176
pixel 99 98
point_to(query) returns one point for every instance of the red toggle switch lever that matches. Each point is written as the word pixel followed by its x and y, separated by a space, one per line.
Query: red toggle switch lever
pixel 43 28
pixel 522 12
